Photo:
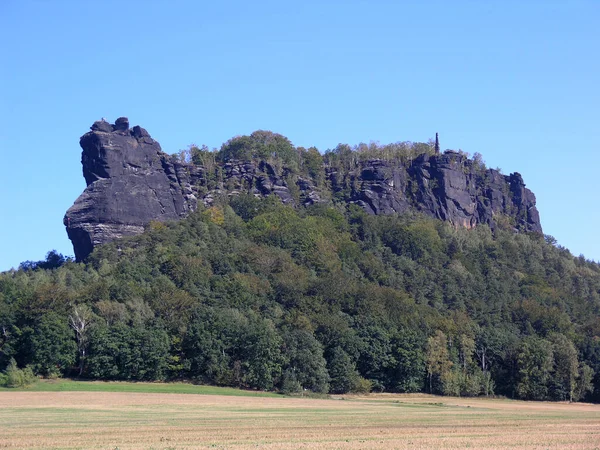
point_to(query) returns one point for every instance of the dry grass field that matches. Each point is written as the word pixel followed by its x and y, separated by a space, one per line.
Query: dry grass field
pixel 117 420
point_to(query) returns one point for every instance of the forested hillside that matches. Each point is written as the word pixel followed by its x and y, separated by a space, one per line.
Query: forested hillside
pixel 249 292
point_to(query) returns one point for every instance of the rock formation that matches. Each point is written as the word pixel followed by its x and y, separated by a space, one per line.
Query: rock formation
pixel 448 187
pixel 131 182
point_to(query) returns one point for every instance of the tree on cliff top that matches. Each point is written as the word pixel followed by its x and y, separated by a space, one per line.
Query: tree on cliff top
pixel 264 145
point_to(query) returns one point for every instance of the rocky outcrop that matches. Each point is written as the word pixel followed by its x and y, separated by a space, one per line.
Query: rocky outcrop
pixel 449 187
pixel 131 182
pixel 378 186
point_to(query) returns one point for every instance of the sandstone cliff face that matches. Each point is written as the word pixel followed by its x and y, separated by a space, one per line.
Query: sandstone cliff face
pixel 449 187
pixel 131 182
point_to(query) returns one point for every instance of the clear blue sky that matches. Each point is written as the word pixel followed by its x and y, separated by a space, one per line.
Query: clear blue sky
pixel 517 81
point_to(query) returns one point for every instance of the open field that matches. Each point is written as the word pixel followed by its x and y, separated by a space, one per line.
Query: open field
pixel 111 420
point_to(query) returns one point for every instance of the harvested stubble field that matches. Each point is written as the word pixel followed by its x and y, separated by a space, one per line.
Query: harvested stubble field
pixel 111 420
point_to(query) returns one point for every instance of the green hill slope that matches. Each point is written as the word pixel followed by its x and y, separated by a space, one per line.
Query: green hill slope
pixel 260 295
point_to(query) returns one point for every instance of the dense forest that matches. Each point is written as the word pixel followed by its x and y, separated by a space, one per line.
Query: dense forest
pixel 252 293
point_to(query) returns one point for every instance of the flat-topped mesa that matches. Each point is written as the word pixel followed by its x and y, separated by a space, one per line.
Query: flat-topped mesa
pixel 130 182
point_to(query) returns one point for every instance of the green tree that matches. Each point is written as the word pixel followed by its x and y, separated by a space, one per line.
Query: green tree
pixel 438 360
pixel 209 344
pixel 261 144
pixel 226 346
pixel 260 354
pixel 535 360
pixel 584 382
pixel 128 353
pixel 7 336
pixel 305 361
pixel 497 350
pixel 376 358
pixel 408 373
pixel 466 350
pixel 53 348
pixel 107 343
pixel 566 367
pixel 312 164
pixel 342 371
pixel 289 382
pixel 13 377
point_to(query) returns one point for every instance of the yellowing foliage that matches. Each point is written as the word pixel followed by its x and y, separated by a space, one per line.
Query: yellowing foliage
pixel 216 215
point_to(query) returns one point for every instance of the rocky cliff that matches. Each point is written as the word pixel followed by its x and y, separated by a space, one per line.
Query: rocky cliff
pixel 131 182
pixel 447 186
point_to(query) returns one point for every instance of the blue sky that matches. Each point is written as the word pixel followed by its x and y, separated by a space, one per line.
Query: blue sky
pixel 516 81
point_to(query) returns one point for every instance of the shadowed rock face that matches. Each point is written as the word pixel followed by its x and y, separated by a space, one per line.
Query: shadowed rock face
pixel 131 182
pixel 448 187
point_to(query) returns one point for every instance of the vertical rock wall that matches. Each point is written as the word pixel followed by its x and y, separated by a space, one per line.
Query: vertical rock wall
pixel 130 182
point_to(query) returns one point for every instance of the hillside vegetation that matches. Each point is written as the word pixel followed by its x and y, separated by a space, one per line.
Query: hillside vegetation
pixel 251 293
